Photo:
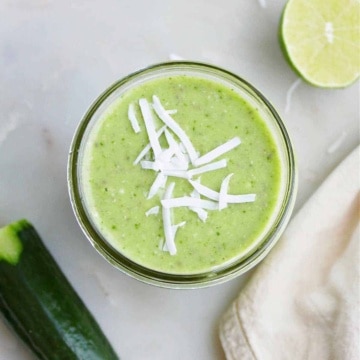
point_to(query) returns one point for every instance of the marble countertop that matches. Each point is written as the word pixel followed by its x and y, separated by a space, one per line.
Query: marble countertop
pixel 56 57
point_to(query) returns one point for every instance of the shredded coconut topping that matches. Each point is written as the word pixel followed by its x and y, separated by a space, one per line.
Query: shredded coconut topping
pixel 181 160
pixel 223 192
pixel 147 148
pixel 133 120
pixel 220 150
pixel 150 126
pixel 150 165
pixel 159 183
pixel 214 195
pixel 209 167
pixel 153 211
pixel 188 201
pixel 202 214
pixel 174 126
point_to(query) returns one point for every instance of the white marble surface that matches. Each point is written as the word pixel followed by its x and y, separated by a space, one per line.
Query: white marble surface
pixel 56 57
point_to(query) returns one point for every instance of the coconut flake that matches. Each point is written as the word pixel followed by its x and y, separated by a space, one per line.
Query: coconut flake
pixel 240 199
pixel 159 182
pixel 178 164
pixel 206 168
pixel 223 192
pixel 176 173
pixel 175 127
pixel 183 149
pixel 147 148
pixel 218 151
pixel 187 201
pixel 214 195
pixel 150 165
pixel 205 191
pixel 150 126
pixel 201 213
pixel 165 157
pixel 161 244
pixel 170 139
pixel 177 226
pixel 142 154
pixel 174 161
pixel 174 229
pixel 133 120
pixel 168 229
pixel 171 112
pixel 153 211
pixel 177 148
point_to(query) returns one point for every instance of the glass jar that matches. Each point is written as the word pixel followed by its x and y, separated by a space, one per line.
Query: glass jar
pixel 218 274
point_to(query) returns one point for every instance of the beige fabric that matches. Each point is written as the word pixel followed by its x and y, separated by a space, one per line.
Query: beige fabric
pixel 303 301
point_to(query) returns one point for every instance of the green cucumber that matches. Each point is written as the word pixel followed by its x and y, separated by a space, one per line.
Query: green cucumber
pixel 40 303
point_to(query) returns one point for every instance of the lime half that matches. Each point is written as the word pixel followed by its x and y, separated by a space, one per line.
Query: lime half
pixel 321 39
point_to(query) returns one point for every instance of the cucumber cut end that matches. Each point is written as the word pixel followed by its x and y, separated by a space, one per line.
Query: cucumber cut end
pixel 10 244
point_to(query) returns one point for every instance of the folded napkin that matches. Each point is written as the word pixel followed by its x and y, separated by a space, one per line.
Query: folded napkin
pixel 303 300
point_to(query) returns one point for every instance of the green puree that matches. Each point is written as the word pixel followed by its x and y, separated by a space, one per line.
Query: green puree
pixel 116 190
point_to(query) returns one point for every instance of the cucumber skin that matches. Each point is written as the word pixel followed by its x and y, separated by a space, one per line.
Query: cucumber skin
pixel 43 308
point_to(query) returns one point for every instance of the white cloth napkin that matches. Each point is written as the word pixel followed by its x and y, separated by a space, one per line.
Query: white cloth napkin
pixel 303 300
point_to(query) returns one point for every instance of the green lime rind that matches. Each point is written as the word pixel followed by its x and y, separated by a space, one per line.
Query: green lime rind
pixel 283 47
pixel 329 74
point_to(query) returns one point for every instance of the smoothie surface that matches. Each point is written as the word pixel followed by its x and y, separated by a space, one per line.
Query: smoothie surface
pixel 115 190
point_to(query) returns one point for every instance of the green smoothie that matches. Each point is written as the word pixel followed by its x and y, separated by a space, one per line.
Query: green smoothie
pixel 116 190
